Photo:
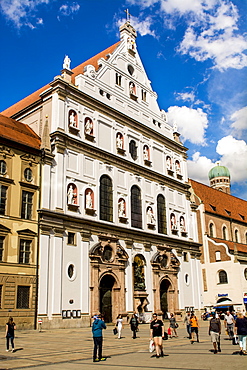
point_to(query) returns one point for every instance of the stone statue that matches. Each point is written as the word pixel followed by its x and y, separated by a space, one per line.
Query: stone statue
pixel 139 280
pixel 132 88
pixel 177 167
pixel 121 208
pixel 89 200
pixel 72 120
pixel 66 62
pixel 88 126
pixel 71 195
pixel 168 163
pixel 145 153
pixel 182 224
pixel 150 216
pixel 173 222
pixel 119 142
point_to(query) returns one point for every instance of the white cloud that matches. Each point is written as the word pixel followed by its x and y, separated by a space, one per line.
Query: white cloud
pixel 199 167
pixel 234 156
pixel 20 11
pixel 239 119
pixel 191 123
pixel 186 96
pixel 143 27
pixel 68 9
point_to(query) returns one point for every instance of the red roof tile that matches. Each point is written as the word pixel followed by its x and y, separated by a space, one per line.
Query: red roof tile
pixel 219 203
pixel 231 245
pixel 18 132
pixel 32 98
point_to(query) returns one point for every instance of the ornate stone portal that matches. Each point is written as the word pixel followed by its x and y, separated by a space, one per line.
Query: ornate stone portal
pixel 108 261
pixel 165 272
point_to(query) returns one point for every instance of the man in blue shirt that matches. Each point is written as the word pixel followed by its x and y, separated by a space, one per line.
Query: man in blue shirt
pixel 97 327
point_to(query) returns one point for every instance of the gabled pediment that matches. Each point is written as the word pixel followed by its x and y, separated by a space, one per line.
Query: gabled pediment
pixel 4 229
pixel 27 232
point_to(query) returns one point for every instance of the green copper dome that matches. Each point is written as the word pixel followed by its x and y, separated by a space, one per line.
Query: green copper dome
pixel 218 171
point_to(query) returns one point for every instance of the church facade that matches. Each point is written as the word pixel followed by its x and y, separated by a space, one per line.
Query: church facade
pixel 118 233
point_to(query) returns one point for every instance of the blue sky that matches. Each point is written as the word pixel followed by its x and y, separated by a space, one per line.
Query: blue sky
pixel 194 52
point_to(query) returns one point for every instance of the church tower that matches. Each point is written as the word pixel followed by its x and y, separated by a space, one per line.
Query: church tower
pixel 219 177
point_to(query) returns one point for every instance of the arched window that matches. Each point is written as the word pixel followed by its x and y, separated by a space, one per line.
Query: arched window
pixel 133 149
pixel 136 207
pixel 224 233
pixel 217 256
pixel 236 236
pixel 106 199
pixel 211 229
pixel 138 272
pixel 161 214
pixel 223 277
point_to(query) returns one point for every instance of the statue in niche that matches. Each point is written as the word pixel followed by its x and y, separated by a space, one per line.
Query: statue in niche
pixel 72 119
pixel 145 153
pixel 121 208
pixel 88 126
pixel 66 62
pixel 89 200
pixel 139 279
pixel 182 224
pixel 168 163
pixel 119 141
pixel 150 216
pixel 132 88
pixel 71 195
pixel 177 167
pixel 173 222
pixel 130 43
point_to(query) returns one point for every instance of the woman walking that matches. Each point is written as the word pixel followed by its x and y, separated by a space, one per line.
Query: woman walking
pixel 10 334
pixel 157 331
pixel 241 331
pixel 173 325
pixel 134 325
pixel 119 325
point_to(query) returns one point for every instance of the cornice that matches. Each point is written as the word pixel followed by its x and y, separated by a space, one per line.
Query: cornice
pixel 62 141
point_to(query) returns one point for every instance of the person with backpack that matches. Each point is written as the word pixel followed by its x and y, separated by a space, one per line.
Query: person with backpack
pixel 10 334
pixel 97 327
pixel 214 331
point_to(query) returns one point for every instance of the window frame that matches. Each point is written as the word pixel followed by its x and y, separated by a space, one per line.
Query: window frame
pixel 3 199
pixel 161 214
pixel 21 306
pixel 106 198
pixel 136 207
pixel 25 253
pixel 223 278
pixel 26 205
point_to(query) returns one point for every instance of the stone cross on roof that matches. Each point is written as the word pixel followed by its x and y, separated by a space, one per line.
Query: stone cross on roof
pixel 127 14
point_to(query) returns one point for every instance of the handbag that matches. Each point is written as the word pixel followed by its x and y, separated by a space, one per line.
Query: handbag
pixel 115 331
pixel 165 337
pixel 176 325
pixel 151 346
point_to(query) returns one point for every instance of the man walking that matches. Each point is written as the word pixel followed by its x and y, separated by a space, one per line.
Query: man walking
pixel 97 327
pixel 187 323
pixel 229 324
pixel 214 331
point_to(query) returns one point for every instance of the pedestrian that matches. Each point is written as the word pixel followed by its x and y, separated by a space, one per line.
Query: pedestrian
pixel 229 324
pixel 97 327
pixel 241 331
pixel 187 323
pixel 214 331
pixel 157 331
pixel 173 325
pixel 194 328
pixel 10 334
pixel 119 325
pixel 134 325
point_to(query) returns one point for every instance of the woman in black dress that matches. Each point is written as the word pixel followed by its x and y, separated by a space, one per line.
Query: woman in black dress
pixel 10 334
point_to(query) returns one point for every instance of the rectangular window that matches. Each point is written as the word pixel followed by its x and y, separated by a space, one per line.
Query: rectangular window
pixel 3 197
pixel 25 250
pixel 1 290
pixel 26 205
pixel 144 95
pixel 118 79
pixel 1 247
pixel 23 294
pixel 71 238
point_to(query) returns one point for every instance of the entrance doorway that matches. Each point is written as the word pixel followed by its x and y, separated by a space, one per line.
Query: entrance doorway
pixel 164 286
pixel 105 288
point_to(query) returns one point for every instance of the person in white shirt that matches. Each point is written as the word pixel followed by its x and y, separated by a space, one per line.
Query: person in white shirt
pixel 229 324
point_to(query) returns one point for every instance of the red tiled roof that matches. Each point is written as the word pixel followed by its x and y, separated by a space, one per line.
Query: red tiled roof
pixel 18 132
pixel 240 247
pixel 32 98
pixel 219 203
